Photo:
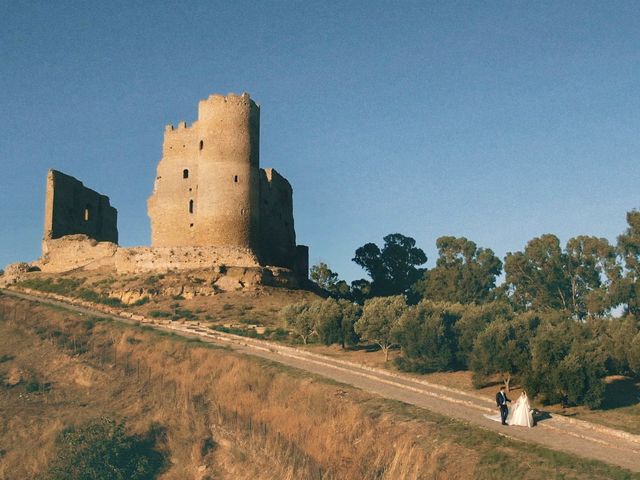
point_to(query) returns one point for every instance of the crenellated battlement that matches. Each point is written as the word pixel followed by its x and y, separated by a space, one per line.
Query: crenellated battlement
pixel 211 191
pixel 226 105
pixel 219 106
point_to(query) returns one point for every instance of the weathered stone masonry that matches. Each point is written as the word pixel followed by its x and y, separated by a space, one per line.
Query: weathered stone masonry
pixel 72 208
pixel 210 189
pixel 209 194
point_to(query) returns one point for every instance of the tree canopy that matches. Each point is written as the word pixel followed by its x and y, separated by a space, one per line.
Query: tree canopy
pixel 463 273
pixel 395 267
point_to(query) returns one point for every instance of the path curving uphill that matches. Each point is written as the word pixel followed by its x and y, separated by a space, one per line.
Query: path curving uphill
pixel 580 438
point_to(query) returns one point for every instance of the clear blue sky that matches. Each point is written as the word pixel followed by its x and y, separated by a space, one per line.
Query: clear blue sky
pixel 496 121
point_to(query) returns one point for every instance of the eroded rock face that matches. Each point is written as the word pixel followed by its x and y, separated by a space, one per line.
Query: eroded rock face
pixel 15 272
pixel 76 251
pixel 15 377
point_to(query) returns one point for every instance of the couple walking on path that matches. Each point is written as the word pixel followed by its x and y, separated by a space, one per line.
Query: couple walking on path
pixel 522 414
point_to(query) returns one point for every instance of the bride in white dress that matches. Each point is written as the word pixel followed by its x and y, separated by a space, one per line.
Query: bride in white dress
pixel 522 414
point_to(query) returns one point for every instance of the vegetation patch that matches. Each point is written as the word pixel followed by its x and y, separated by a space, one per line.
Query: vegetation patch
pixel 102 450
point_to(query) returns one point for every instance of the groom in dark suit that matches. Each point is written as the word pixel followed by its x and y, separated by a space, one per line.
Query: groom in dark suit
pixel 501 402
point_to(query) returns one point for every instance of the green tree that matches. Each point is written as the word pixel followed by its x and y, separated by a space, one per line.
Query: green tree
pixel 576 279
pixel 580 375
pixel 379 317
pixel 394 268
pixel 329 281
pixel 351 313
pixel 323 276
pixel 550 346
pixel 503 349
pixel 537 277
pixel 328 320
pixel 426 336
pixel 101 450
pixel 626 289
pixel 589 262
pixel 360 291
pixel 634 355
pixel 474 320
pixel 301 318
pixel 334 321
pixel 463 273
pixel 615 336
pixel 567 363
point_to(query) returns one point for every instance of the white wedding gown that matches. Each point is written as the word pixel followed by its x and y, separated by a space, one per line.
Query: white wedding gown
pixel 522 412
pixel 519 415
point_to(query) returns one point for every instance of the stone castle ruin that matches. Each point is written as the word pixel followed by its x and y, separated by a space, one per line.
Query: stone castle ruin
pixel 212 205
pixel 211 191
pixel 71 208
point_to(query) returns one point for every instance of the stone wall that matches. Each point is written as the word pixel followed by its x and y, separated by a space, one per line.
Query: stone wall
pixel 207 183
pixel 75 251
pixel 277 234
pixel 71 208
pixel 146 259
pixel 211 204
pixel 210 190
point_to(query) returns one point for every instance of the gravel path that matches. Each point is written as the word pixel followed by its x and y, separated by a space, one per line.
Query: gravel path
pixel 556 432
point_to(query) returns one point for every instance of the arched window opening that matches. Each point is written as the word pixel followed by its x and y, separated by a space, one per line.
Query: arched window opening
pixel 185 173
pixel 235 178
pixel 87 213
pixel 201 144
pixel 190 206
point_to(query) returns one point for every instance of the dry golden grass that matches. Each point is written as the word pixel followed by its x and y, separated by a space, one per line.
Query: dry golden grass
pixel 225 415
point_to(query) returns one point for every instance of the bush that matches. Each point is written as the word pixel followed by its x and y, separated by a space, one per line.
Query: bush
pixel 101 450
pixel 184 313
pixel 159 314
pixel 580 377
pixel 61 286
pixel 140 301
pixel 95 297
pixel 32 387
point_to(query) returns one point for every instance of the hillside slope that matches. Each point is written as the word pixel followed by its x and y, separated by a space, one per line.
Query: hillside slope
pixel 225 415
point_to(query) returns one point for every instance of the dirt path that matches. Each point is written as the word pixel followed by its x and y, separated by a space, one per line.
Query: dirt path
pixel 559 433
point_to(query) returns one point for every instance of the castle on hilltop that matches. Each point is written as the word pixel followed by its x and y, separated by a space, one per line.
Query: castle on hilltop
pixel 211 204
pixel 210 189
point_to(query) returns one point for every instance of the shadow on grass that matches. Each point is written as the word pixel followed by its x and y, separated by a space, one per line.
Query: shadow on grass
pixel 621 392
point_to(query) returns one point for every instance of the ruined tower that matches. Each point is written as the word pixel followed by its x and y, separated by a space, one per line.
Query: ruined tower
pixel 206 188
pixel 210 189
pixel 71 208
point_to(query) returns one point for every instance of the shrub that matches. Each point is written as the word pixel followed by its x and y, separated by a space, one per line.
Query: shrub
pixel 159 314
pixel 95 297
pixel 184 313
pixel 61 286
pixel 32 387
pixel 140 301
pixel 426 335
pixel 101 450
pixel 379 318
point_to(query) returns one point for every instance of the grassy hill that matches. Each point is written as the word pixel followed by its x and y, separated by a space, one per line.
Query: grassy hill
pixel 218 414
